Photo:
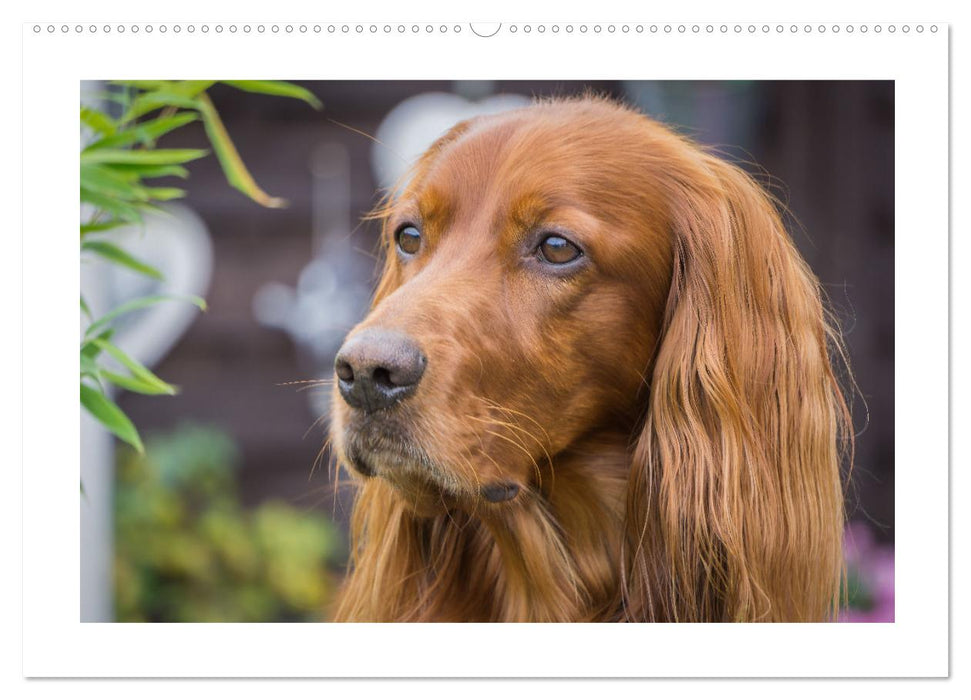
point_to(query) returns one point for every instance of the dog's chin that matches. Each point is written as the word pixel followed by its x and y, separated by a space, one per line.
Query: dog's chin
pixel 417 490
pixel 425 487
pixel 422 486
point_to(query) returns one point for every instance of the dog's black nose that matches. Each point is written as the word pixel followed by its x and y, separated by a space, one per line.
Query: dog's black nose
pixel 377 368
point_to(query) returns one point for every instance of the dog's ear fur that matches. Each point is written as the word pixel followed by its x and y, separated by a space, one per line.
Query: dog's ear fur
pixel 735 502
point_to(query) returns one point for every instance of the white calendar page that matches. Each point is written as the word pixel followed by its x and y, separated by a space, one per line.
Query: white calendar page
pixel 466 43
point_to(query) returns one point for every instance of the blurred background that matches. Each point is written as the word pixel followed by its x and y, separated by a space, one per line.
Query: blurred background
pixel 233 513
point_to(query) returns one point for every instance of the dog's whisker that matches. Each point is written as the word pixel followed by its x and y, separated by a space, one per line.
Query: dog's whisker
pixel 522 449
pixel 322 380
pixel 316 424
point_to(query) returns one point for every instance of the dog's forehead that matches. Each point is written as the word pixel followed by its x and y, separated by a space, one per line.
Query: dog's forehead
pixel 542 155
pixel 474 157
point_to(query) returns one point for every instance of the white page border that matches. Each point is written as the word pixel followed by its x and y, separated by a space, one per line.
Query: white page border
pixel 916 644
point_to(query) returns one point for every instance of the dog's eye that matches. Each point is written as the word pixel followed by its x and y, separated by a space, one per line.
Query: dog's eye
pixel 558 250
pixel 408 239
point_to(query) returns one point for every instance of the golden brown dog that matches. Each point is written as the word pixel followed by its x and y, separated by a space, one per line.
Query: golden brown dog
pixel 595 384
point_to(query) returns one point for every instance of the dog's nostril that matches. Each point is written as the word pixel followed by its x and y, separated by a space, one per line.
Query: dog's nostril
pixel 344 370
pixel 382 377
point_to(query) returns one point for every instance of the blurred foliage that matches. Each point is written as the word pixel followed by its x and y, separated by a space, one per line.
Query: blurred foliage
pixel 868 593
pixel 119 156
pixel 187 551
pixel 855 593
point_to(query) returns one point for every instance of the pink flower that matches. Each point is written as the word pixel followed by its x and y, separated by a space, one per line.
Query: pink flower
pixel 870 573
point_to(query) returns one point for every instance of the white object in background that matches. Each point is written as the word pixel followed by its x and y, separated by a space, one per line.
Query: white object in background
pixel 178 245
pixel 414 125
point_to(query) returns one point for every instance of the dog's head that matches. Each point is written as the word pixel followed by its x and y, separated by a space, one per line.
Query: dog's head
pixel 524 285
pixel 573 270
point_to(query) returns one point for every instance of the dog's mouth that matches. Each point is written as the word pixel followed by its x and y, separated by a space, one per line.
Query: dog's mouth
pixel 387 452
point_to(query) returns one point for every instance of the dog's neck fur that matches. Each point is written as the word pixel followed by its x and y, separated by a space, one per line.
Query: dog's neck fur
pixel 552 555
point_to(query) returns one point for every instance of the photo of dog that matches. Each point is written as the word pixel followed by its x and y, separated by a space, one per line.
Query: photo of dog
pixel 479 351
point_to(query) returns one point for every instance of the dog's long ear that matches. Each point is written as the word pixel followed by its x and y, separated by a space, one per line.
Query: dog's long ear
pixel 735 508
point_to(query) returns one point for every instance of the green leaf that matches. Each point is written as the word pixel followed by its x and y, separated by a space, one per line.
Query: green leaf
pixel 276 87
pixel 146 132
pixel 103 180
pixel 164 194
pixel 191 88
pixel 88 367
pixel 100 226
pixel 160 156
pixel 131 383
pixel 86 309
pixel 236 173
pixel 110 416
pixel 139 372
pixel 186 88
pixel 98 121
pixel 163 94
pixel 146 171
pixel 150 101
pixel 138 304
pixel 115 207
pixel 88 347
pixel 113 253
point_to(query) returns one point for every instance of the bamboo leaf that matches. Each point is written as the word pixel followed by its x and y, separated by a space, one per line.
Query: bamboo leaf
pixel 192 88
pixel 110 416
pixel 117 208
pixel 86 309
pixel 98 121
pixel 150 101
pixel 138 304
pixel 132 383
pixel 88 347
pixel 184 88
pixel 164 194
pixel 101 226
pixel 102 179
pixel 148 171
pixel 112 253
pixel 276 87
pixel 138 370
pixel 88 367
pixel 160 156
pixel 235 170
pixel 146 132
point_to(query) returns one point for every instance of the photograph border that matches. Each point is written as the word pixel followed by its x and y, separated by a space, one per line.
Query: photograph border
pixel 57 644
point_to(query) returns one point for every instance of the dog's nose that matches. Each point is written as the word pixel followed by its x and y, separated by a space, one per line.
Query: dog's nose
pixel 377 368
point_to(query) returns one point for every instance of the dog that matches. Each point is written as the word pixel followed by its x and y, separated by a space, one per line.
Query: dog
pixel 596 383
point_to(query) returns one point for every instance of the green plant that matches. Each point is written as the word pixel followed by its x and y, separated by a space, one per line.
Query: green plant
pixel 187 551
pixel 120 157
